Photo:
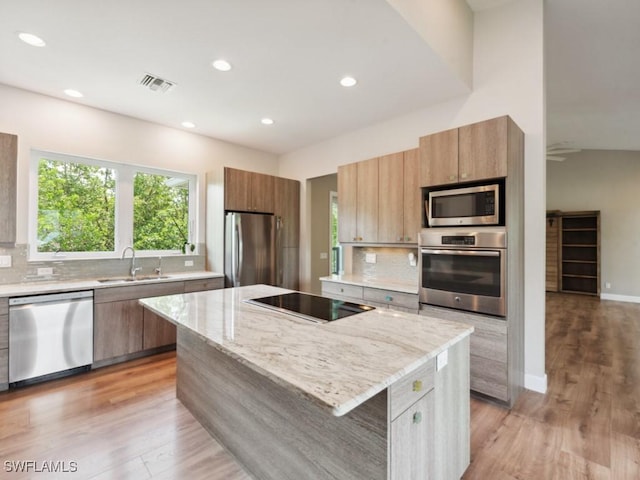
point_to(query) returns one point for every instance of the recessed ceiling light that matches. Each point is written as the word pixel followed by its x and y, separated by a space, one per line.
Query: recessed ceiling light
pixel 348 82
pixel 267 121
pixel 73 93
pixel 31 39
pixel 222 65
pixel 188 124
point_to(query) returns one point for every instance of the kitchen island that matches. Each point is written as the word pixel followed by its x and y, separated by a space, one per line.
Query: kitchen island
pixel 376 395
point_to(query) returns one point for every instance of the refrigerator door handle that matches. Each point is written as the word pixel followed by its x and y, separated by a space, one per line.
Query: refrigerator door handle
pixel 238 254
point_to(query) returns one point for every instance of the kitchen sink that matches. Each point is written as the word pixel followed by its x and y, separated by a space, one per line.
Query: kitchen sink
pixel 130 279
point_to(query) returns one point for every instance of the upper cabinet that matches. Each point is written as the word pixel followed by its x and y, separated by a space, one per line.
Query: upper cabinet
pixel 399 199
pixel 8 178
pixel 358 202
pixel 439 158
pixel 379 199
pixel 248 191
pixel 474 152
pixel 287 207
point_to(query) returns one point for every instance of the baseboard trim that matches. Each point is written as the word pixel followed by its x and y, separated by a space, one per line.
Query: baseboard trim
pixel 619 298
pixel 535 383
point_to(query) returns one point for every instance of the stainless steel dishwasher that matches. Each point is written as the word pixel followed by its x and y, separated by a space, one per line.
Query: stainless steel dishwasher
pixel 49 336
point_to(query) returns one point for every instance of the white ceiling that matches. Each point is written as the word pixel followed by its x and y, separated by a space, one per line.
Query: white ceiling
pixel 288 56
pixel 593 73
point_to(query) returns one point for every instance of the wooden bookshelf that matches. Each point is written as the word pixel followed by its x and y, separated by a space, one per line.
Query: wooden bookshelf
pixel 579 252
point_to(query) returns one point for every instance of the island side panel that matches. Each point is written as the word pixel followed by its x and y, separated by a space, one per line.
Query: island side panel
pixel 452 414
pixel 274 433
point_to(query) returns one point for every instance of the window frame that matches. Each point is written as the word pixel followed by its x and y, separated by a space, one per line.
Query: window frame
pixel 123 228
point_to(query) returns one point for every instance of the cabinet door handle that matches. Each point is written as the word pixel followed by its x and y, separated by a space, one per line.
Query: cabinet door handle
pixel 452 177
pixel 417 385
pixel 417 417
pixel 464 175
pixel 388 298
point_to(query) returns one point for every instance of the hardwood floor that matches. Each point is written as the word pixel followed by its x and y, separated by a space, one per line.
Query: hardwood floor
pixel 587 425
pixel 124 422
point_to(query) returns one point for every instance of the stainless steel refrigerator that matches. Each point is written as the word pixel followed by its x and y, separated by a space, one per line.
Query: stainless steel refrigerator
pixel 252 246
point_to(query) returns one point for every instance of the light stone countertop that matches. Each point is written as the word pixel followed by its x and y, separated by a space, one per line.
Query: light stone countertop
pixel 383 283
pixel 339 365
pixel 36 288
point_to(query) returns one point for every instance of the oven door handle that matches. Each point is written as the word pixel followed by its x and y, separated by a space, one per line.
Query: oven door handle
pixel 475 253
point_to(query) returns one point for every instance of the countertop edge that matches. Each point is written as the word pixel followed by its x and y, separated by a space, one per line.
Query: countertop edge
pixel 36 288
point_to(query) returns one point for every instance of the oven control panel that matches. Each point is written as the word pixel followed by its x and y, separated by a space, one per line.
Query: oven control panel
pixel 465 240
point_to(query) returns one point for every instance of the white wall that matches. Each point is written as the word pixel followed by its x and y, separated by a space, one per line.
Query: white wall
pixel 508 79
pixel 605 180
pixel 51 124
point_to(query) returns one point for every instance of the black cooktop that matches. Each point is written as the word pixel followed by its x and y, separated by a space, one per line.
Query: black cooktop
pixel 311 307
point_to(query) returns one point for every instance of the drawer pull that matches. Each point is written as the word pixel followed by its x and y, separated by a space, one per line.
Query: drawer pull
pixel 417 417
pixel 342 290
pixel 388 298
pixel 417 386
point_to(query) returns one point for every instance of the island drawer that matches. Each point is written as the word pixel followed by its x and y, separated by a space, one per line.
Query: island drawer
pixel 342 290
pixel 392 298
pixel 203 284
pixel 409 389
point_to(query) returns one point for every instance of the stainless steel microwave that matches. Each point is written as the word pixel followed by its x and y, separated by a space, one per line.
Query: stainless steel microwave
pixel 479 205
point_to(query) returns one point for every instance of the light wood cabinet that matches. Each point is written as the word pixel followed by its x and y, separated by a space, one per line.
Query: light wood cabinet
pixel 391 204
pixel 412 209
pixel 412 442
pixel 287 207
pixel 246 191
pixel 122 327
pixel 358 202
pixel 491 372
pixel 482 149
pixel 4 343
pixel 117 329
pixel 157 332
pixel 8 180
pixel 377 297
pixel 479 151
pixel 367 201
pixel 379 199
pixel 347 202
pixel 439 158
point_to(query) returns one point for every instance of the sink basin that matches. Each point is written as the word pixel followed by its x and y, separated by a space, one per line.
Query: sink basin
pixel 129 279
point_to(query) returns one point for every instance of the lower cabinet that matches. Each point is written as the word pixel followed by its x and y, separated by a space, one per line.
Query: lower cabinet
pixel 411 406
pixel 377 297
pixel 123 328
pixel 489 366
pixel 412 442
pixel 156 331
pixel 4 344
pixel 117 329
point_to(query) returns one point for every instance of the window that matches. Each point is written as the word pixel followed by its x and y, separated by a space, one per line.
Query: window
pixel 87 208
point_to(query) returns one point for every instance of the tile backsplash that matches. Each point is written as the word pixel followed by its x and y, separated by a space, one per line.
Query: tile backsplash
pixel 390 263
pixel 23 271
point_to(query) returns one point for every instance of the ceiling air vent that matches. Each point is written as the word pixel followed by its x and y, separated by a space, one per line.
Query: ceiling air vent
pixel 156 84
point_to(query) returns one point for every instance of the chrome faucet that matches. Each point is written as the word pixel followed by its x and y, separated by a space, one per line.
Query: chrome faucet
pixel 133 270
pixel 158 269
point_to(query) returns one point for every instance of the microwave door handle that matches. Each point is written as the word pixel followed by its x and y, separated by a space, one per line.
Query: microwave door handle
pixel 475 253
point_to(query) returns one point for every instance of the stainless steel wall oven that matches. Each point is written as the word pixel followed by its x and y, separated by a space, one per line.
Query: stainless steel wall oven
pixel 464 270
